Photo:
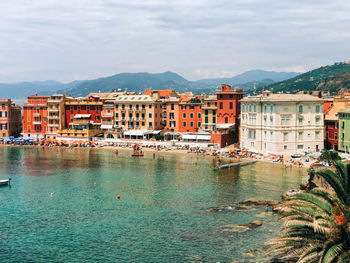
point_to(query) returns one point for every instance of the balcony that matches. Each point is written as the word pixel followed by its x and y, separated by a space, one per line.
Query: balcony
pixel 37 122
pixel 36 114
pixel 53 124
pixel 53 110
pixel 53 117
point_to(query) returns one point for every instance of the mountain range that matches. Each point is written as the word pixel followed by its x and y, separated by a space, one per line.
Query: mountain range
pixel 139 82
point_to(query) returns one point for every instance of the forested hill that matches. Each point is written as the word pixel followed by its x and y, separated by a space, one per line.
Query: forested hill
pixel 333 78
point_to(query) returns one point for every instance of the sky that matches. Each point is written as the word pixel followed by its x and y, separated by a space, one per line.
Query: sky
pixel 67 40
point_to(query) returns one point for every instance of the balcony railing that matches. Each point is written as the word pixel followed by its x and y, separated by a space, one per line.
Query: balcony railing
pixel 53 117
pixel 37 122
pixel 53 124
pixel 36 114
pixel 53 110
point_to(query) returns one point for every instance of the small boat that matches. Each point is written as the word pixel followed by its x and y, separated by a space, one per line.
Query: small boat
pixel 137 155
pixel 295 156
pixel 137 151
pixel 5 182
pixel 290 192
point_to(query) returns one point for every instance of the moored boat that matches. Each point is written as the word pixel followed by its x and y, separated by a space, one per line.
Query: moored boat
pixel 5 182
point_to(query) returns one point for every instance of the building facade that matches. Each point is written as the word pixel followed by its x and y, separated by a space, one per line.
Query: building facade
pixel 209 110
pixel 282 123
pixel 344 130
pixel 10 119
pixel 190 113
pixel 82 119
pixel 35 117
pixel 55 115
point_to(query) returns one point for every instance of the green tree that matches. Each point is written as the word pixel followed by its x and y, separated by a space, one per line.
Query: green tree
pixel 329 156
pixel 317 222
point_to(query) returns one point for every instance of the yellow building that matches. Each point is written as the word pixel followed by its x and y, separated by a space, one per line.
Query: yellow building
pixel 209 109
pixel 55 115
pixel 138 115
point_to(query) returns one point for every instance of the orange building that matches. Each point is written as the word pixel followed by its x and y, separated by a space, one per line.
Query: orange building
pixel 10 118
pixel 228 110
pixel 228 114
pixel 35 117
pixel 190 113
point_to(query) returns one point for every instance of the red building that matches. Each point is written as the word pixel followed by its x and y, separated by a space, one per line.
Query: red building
pixel 91 106
pixel 190 113
pixel 331 121
pixel 228 114
pixel 35 117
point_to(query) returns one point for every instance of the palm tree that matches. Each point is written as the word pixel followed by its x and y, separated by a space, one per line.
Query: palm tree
pixel 317 222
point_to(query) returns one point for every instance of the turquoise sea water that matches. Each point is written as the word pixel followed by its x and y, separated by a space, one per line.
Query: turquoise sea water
pixel 62 206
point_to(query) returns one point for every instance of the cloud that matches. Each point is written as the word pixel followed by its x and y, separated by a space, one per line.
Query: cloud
pixel 64 39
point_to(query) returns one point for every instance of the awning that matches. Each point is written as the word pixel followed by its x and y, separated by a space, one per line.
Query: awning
pixel 225 125
pixel 189 137
pixel 203 137
pixel 135 133
pixel 106 126
pixel 82 116
pixel 155 132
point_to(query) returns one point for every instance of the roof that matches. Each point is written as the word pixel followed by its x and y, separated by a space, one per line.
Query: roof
pixel 166 93
pixel 210 97
pixel 331 115
pixel 134 98
pixel 282 97
pixel 347 110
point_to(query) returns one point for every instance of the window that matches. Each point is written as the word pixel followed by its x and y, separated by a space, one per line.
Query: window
pixel 336 135
pixel 226 119
pixel 231 96
pixel 150 124
pixel 300 121
pixel 199 124
pixel 265 135
pixel 300 109
pixel 184 124
pixel 300 135
pixel 265 108
pixel 300 147
pixel 317 135
pixel 191 115
pixel 317 120
pixel 220 96
pixel 327 135
pixel 199 116
pixel 214 119
pixel 150 115
pixel 250 108
pixel 271 108
pixel 130 107
pixel 206 119
pixel 184 115
pixel 183 107
pixel 317 108
pixel 265 120
pixel 271 120
pixel 172 106
pixel 285 147
pixel 191 123
pixel 285 136
pixel 221 105
pixel 150 107
pixel 231 105
pixel 254 108
pixel 88 108
pixel 206 112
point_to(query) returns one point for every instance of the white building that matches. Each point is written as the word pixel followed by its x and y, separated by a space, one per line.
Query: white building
pixel 282 123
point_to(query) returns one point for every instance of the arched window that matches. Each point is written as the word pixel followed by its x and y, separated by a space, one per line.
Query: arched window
pixel 110 136
pixel 226 119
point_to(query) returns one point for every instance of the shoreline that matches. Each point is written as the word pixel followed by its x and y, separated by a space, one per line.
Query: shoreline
pixel 176 152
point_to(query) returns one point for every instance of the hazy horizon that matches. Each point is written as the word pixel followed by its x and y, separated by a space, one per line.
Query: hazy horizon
pixel 66 41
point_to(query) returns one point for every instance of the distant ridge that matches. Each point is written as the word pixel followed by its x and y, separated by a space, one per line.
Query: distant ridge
pixel 139 82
